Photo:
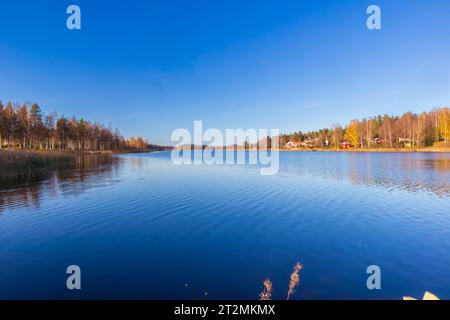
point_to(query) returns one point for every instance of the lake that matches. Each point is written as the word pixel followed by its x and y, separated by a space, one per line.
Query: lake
pixel 141 227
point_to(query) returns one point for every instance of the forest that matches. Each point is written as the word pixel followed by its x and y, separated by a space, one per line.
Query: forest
pixel 406 131
pixel 26 127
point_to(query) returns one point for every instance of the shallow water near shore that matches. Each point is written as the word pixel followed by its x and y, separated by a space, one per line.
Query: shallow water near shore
pixel 141 227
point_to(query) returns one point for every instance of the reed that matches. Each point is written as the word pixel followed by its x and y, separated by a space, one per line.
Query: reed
pixel 17 162
pixel 266 294
pixel 295 279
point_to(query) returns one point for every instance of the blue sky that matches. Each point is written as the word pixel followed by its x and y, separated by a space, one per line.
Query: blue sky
pixel 149 67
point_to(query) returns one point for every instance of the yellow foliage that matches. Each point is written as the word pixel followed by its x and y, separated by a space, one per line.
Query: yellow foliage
pixel 444 124
pixel 352 132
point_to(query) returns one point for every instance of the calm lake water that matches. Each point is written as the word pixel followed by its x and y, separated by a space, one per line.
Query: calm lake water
pixel 141 227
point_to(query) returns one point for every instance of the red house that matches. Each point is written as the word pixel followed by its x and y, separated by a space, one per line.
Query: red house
pixel 345 145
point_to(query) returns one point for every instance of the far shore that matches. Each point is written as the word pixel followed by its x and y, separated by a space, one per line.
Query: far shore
pixel 353 150
pixel 75 152
pixel 371 150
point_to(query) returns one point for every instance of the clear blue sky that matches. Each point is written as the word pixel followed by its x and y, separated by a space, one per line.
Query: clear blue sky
pixel 149 67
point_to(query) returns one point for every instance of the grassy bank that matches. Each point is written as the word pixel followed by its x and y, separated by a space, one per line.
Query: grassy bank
pixel 25 161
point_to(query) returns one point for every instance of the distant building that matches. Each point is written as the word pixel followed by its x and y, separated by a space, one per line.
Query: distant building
pixel 307 143
pixel 405 142
pixel 291 144
pixel 376 141
pixel 345 145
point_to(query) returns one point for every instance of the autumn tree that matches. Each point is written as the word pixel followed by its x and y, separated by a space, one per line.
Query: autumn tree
pixel 29 128
pixel 444 124
pixel 1 124
pixel 9 121
pixel 337 135
pixel 353 132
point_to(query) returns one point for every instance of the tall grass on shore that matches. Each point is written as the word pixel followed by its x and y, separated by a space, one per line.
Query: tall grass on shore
pixel 16 165
pixel 28 160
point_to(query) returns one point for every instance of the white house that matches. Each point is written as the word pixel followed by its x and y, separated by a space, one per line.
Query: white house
pixel 291 144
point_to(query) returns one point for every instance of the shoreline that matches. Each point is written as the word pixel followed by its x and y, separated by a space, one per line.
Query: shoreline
pixel 373 150
pixel 74 152
pixel 353 150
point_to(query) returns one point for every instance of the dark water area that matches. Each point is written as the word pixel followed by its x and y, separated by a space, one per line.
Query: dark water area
pixel 141 227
